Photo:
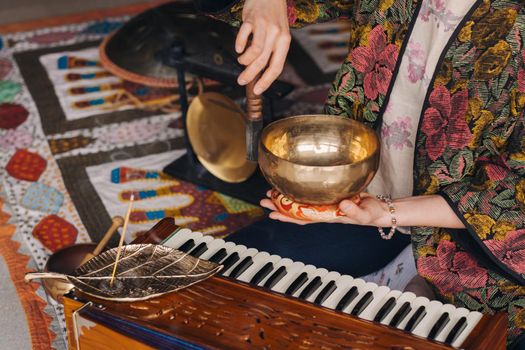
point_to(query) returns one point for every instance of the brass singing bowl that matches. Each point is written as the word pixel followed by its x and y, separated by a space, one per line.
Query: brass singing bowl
pixel 318 159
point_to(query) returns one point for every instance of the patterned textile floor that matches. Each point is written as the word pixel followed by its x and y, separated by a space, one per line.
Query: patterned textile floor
pixel 73 148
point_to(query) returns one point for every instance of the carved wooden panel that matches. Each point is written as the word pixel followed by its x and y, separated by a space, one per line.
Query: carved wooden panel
pixel 226 314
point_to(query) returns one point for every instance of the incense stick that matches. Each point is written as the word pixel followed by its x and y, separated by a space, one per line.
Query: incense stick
pixel 122 236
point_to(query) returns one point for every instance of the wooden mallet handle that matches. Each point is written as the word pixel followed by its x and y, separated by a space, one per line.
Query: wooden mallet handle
pixel 254 125
pixel 254 102
pixel 117 222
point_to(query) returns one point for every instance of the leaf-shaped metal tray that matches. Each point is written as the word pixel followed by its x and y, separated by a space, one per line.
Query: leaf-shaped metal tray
pixel 144 271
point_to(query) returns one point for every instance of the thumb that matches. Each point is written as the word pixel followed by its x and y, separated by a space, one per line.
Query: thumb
pixel 348 207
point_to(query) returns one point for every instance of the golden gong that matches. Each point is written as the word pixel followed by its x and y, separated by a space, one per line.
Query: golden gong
pixel 217 132
pixel 319 159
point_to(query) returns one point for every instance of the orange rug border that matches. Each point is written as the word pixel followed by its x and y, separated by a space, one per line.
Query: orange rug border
pixel 38 321
pixel 79 17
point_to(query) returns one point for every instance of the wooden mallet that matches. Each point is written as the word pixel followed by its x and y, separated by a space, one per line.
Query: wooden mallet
pixel 117 222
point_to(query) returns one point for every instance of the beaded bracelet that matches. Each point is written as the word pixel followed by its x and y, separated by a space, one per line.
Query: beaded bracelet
pixel 392 211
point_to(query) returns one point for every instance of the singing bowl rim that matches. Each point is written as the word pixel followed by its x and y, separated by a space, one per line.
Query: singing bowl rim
pixel 274 124
pixel 230 175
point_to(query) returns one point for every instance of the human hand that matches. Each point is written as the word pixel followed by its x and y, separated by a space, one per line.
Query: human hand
pixel 370 212
pixel 267 22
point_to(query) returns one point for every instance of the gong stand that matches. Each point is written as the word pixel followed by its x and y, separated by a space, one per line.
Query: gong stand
pixel 188 167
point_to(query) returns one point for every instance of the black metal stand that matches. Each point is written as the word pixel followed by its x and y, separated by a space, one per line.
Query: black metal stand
pixel 251 190
pixel 188 167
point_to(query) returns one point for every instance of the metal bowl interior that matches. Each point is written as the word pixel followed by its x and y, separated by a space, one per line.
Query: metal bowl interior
pixel 65 261
pixel 216 130
pixel 319 159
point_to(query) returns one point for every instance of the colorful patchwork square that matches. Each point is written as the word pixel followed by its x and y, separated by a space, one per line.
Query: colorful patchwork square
pixel 123 174
pixel 237 206
pixel 55 233
pixel 68 144
pixel 8 90
pixel 42 198
pixel 25 165
pixel 12 115
pixel 16 139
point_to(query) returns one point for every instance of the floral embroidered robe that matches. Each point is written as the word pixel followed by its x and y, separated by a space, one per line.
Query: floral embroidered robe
pixel 470 143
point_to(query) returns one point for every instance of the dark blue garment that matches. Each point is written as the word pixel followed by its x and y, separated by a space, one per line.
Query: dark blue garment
pixel 519 343
pixel 347 249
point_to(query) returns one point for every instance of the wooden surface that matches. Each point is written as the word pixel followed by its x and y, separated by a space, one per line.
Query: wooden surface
pixel 80 17
pixel 97 337
pixel 100 337
pixel 225 314
pixel 158 233
pixel 490 333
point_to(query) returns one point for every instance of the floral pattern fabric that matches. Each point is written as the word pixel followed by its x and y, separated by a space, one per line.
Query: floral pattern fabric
pixel 470 142
pixel 376 61
pixel 434 25
pixel 471 152
pixel 441 119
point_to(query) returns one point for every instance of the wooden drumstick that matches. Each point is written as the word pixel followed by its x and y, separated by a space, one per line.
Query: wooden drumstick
pixel 254 125
pixel 117 222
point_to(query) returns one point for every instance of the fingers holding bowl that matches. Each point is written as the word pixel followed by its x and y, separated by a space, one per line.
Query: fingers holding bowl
pixel 268 204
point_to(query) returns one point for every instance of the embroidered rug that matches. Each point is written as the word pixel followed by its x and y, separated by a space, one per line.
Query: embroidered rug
pixel 76 143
